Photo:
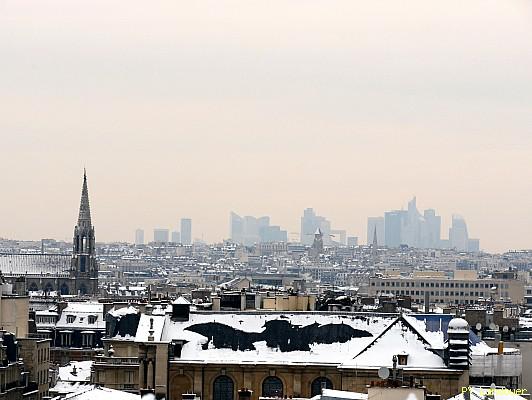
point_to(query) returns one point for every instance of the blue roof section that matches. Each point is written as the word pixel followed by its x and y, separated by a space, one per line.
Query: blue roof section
pixel 440 322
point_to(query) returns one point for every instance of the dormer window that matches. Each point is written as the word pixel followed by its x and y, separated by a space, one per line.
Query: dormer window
pixel 71 319
pixel 92 319
pixel 402 358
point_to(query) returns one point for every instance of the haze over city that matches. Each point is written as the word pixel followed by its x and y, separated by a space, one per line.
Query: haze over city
pixel 198 109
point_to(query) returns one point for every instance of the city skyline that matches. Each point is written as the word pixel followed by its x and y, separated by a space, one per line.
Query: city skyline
pixel 349 108
pixel 165 234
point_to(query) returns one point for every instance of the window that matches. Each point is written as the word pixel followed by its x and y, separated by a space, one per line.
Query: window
pixel 71 319
pixel 92 319
pixel 272 387
pixel 129 376
pixel 223 388
pixel 66 339
pixel 86 339
pixel 318 384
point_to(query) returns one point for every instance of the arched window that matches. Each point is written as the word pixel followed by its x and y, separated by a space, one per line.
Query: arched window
pixel 33 287
pixel 318 384
pixel 49 287
pixel 272 387
pixel 223 388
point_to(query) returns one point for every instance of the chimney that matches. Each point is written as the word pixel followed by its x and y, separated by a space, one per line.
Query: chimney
pixel 500 348
pixel 151 331
pixel 458 344
pixel 180 309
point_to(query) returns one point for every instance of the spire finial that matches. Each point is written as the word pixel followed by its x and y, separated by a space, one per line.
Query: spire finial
pixel 84 219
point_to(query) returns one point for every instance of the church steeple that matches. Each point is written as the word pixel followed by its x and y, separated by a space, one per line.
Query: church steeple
pixel 84 219
pixel 84 265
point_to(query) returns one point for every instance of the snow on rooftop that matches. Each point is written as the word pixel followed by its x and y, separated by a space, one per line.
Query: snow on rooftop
pixel 92 392
pixel 329 353
pixel 84 307
pixel 399 339
pixel 329 394
pixel 118 313
pixel 76 371
pixel 436 338
pixel 483 349
pixel 80 313
pixel 144 327
pixel 181 300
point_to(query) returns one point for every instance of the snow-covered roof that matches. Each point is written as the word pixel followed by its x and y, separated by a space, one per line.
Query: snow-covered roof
pixel 92 392
pixel 63 388
pixel 118 313
pixel 181 300
pixel 346 340
pixel 332 394
pixel 399 338
pixel 145 325
pixel 81 312
pixel 76 371
pixel 335 338
pixel 458 325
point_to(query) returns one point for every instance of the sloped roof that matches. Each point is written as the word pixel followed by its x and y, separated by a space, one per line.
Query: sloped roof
pixel 401 337
pixel 277 338
pixel 81 312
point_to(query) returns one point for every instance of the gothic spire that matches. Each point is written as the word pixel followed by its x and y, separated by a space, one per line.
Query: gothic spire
pixel 84 219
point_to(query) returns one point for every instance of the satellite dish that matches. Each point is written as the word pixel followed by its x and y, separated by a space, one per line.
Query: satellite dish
pixel 384 373
pixel 505 328
pixel 492 326
pixel 478 326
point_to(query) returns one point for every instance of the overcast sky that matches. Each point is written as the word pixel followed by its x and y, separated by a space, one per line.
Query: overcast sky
pixel 197 108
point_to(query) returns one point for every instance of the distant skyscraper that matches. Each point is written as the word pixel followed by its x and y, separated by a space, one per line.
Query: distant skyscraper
pixel 393 224
pixel 352 241
pixel 160 235
pixel 176 237
pixel 411 228
pixel 236 226
pixel 458 236
pixel 339 236
pixel 139 237
pixel 249 230
pixel 375 222
pixel 432 232
pixel 272 233
pixel 186 230
pixel 310 222
pixel 473 245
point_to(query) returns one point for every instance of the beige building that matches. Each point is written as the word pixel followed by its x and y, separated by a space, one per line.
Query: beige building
pixel 464 288
pixel 14 311
pixel 35 354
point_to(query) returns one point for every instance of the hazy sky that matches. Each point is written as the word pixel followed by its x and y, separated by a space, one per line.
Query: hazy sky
pixel 196 108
